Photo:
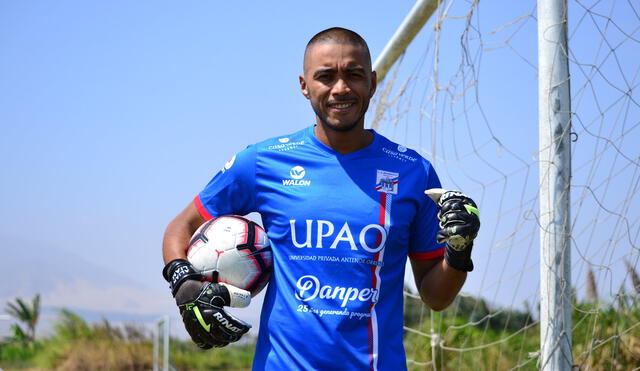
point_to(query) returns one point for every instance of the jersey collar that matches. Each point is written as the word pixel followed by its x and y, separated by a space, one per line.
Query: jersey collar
pixel 361 152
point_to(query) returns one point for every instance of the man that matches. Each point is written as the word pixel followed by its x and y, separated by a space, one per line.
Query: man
pixel 343 207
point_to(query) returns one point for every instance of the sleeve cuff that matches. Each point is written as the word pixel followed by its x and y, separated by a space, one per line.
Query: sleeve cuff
pixel 201 209
pixel 433 254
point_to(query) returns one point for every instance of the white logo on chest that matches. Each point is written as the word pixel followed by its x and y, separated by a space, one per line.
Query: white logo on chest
pixel 308 288
pixel 324 230
pixel 296 173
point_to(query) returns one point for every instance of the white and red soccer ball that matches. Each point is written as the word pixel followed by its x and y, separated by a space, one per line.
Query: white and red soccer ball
pixel 233 250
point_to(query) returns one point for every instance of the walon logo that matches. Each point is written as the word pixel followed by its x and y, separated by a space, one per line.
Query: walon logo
pixel 297 173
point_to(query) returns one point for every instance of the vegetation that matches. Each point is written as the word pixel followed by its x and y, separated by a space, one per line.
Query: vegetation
pixel 468 335
pixel 77 345
pixel 472 336
pixel 27 314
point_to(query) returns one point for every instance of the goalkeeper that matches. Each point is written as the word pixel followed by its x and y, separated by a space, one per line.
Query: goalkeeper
pixel 344 208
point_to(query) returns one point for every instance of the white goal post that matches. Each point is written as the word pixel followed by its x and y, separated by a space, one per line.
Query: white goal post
pixel 161 340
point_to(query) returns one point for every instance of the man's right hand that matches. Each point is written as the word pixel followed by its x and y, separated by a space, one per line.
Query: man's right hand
pixel 201 305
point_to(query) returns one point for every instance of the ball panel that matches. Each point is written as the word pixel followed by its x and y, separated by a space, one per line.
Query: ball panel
pixel 199 237
pixel 229 233
pixel 233 250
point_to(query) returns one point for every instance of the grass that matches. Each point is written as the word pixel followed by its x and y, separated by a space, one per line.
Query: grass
pixel 77 345
pixel 473 337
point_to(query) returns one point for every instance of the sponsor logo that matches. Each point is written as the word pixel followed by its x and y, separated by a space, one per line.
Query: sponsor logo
pixel 297 174
pixel 285 145
pixel 371 237
pixel 309 288
pixel 337 259
pixel 399 154
pixel 387 182
pixel 225 322
pixel 178 274
pixel 229 163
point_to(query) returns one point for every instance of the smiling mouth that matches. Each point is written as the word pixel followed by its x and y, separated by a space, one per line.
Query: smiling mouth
pixel 341 105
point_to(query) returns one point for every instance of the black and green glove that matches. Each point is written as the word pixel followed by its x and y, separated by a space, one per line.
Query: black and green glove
pixel 201 306
pixel 459 225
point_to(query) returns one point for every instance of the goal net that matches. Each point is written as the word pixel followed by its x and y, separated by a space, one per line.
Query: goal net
pixel 464 95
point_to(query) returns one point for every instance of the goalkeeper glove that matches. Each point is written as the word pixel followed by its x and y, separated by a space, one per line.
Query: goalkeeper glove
pixel 459 224
pixel 201 306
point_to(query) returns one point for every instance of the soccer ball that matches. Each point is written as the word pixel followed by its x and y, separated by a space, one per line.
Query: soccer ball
pixel 233 250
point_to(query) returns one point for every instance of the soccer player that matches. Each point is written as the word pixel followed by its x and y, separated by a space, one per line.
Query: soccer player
pixel 343 207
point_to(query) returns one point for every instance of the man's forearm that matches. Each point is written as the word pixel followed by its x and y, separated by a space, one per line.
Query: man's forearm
pixel 179 232
pixel 175 242
pixel 440 285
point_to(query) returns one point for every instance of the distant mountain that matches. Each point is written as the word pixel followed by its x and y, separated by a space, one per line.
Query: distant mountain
pixel 65 280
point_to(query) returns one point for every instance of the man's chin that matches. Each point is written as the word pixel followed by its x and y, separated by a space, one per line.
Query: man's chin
pixel 340 126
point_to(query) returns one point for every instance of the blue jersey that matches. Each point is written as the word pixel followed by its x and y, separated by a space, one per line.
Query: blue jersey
pixel 341 228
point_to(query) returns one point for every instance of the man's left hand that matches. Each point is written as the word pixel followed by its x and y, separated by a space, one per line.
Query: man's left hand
pixel 459 221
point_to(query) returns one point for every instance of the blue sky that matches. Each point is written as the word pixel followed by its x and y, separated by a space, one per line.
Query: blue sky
pixel 115 114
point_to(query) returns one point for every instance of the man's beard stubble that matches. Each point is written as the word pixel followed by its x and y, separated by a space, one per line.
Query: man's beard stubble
pixel 340 128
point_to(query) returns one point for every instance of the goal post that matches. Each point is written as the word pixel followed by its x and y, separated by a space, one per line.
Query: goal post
pixel 412 24
pixel 161 344
pixel 554 115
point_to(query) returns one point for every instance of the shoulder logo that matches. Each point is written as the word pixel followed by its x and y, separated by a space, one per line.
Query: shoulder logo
pixel 387 182
pixel 296 174
pixel 229 163
pixel 285 144
pixel 399 154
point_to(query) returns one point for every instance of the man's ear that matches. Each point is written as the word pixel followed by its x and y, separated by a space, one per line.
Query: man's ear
pixel 374 82
pixel 303 86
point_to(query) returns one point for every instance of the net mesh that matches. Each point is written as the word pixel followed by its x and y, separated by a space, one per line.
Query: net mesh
pixel 464 95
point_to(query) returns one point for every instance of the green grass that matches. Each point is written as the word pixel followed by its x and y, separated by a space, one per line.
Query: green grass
pixel 186 356
pixel 605 337
pixel 77 345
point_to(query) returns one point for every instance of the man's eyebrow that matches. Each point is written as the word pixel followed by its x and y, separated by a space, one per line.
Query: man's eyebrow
pixel 323 70
pixel 332 70
pixel 355 69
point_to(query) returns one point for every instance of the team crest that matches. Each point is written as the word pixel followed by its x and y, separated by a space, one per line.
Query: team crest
pixel 387 182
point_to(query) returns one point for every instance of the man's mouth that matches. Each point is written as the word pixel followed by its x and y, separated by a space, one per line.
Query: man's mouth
pixel 341 105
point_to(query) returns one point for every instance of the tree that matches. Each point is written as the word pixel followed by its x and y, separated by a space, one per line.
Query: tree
pixel 27 314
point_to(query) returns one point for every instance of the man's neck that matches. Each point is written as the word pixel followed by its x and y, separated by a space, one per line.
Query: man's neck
pixel 344 142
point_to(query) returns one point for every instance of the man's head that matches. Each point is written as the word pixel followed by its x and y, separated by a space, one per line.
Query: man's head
pixel 338 79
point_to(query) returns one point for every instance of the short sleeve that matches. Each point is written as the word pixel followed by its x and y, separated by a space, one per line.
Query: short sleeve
pixel 232 189
pixel 423 245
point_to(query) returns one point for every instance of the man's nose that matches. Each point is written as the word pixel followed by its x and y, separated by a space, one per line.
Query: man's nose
pixel 341 87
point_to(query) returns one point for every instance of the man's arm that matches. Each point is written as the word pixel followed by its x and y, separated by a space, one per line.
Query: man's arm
pixel 437 282
pixel 200 303
pixel 179 232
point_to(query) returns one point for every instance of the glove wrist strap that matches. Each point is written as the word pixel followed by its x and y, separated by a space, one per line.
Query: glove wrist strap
pixel 459 259
pixel 177 271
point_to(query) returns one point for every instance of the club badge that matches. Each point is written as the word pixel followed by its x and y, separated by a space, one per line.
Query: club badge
pixel 387 182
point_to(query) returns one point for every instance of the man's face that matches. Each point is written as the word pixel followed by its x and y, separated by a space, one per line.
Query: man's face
pixel 339 83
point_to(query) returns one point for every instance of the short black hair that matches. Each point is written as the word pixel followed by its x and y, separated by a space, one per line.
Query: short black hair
pixel 338 35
